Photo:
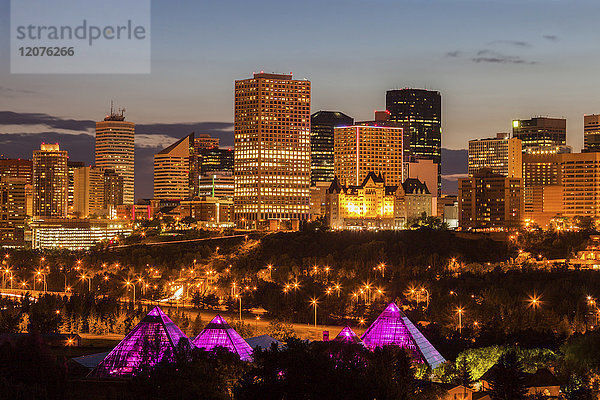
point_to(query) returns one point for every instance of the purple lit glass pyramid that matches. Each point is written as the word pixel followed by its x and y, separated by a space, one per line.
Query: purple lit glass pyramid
pixel 392 327
pixel 347 335
pixel 155 338
pixel 219 333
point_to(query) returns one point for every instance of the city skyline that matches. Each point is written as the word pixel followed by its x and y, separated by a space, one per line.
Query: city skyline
pixel 487 79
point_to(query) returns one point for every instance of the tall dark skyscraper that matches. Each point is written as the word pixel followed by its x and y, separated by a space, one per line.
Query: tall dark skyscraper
pixel 591 133
pixel 420 112
pixel 540 132
pixel 321 143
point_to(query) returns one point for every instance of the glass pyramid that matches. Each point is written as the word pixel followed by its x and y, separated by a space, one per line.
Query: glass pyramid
pixel 219 333
pixel 347 335
pixel 155 338
pixel 392 327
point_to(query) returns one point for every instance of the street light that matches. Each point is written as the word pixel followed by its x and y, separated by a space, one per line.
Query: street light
pixel 460 312
pixel 534 301
pixel 314 303
pixel 83 277
pixel 237 296
pixel 130 283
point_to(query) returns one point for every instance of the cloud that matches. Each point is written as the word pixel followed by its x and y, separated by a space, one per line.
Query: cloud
pixel 454 54
pixel 490 56
pixel 517 43
pixel 454 177
pixel 552 38
pixel 6 91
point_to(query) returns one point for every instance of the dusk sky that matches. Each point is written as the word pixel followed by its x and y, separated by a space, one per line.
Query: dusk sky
pixel 491 60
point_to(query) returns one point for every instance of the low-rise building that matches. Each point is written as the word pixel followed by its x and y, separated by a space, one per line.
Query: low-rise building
pixel 75 234
pixel 375 205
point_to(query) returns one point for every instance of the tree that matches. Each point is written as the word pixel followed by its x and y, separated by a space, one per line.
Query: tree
pixel 577 388
pixel 506 378
pixel 425 221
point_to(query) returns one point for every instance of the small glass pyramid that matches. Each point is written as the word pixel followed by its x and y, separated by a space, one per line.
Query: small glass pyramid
pixel 155 338
pixel 392 327
pixel 347 335
pixel 219 333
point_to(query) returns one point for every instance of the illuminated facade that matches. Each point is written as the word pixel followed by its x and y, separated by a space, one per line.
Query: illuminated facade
pixel 215 159
pixel 591 133
pixel 420 113
pixel 322 144
pixel 488 201
pixel 115 149
pixel 75 234
pixel 88 193
pixel 272 150
pixel 205 141
pixel 17 168
pixel 13 210
pixel 361 149
pixel 50 182
pixel 71 167
pixel 502 155
pixel 173 170
pixel 375 205
pixel 217 184
pixel 540 132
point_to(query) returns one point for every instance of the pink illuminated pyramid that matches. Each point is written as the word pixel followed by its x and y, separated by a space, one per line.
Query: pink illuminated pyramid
pixel 347 335
pixel 392 327
pixel 154 339
pixel 219 333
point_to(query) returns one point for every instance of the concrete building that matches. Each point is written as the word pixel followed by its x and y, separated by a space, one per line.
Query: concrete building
pixel 272 150
pixel 205 141
pixel 215 159
pixel 375 205
pixel 591 133
pixel 17 168
pixel 50 182
pixel 420 112
pixel 322 144
pixel 540 132
pixel 371 146
pixel 318 199
pixel 88 198
pixel 75 234
pixel 13 210
pixel 217 184
pixel 501 154
pixel 115 150
pixel 427 172
pixel 173 176
pixel 209 212
pixel 71 167
pixel 489 201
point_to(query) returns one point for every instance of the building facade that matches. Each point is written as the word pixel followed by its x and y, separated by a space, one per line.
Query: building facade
pixel 272 150
pixel 502 154
pixel 218 184
pixel 50 182
pixel 76 234
pixel 173 170
pixel 115 149
pixel 375 205
pixel 591 133
pixel 322 124
pixel 215 159
pixel 13 210
pixel 17 168
pixel 420 112
pixel 540 132
pixel 361 149
pixel 489 201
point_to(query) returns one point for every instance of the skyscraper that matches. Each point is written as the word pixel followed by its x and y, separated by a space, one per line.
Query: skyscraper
pixel 369 146
pixel 71 167
pixel 173 170
pixel 321 143
pixel 272 150
pixel 502 154
pixel 489 201
pixel 115 149
pixel 215 159
pixel 13 210
pixel 540 132
pixel 420 112
pixel 50 181
pixel 591 133
pixel 17 168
